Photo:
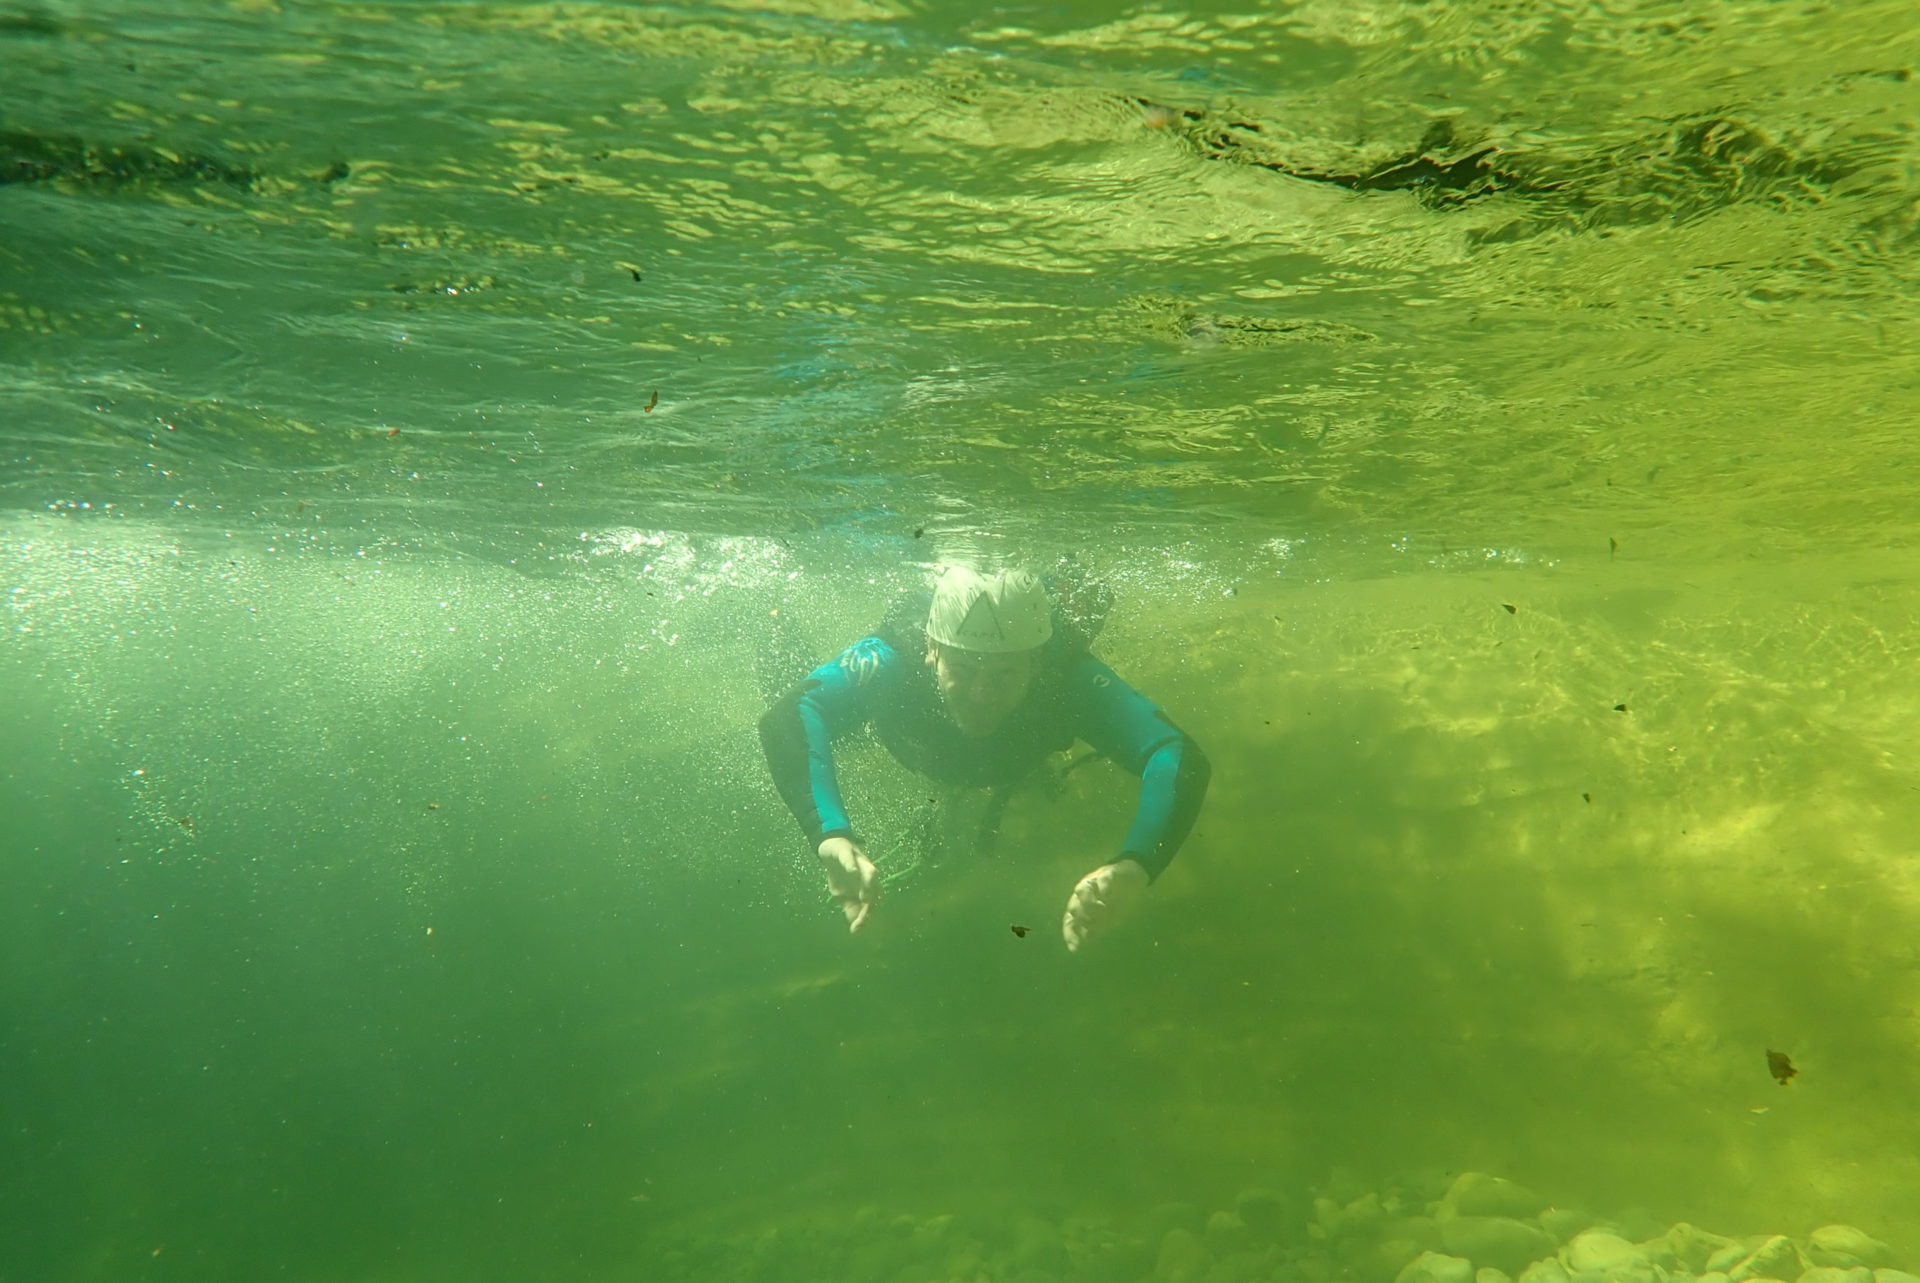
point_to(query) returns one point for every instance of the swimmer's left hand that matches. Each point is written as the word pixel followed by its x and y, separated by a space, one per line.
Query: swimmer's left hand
pixel 1102 899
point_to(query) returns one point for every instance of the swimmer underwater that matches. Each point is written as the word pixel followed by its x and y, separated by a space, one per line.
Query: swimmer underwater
pixel 991 683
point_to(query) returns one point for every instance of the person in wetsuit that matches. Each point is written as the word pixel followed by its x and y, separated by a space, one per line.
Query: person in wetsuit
pixel 978 697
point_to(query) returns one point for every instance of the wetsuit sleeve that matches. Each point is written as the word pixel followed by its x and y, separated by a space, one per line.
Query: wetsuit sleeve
pixel 797 733
pixel 1126 726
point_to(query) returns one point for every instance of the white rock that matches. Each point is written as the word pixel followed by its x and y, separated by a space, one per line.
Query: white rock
pixel 1846 1247
pixel 1547 1271
pixel 1895 1276
pixel 1600 1251
pixel 1432 1267
pixel 1487 1274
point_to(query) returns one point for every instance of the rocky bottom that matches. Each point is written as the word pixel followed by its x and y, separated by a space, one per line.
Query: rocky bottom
pixel 1483 1229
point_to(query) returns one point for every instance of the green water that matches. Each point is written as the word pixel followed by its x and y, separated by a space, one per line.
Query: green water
pixel 1494 420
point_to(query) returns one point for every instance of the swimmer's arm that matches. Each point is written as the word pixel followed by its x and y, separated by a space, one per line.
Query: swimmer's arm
pixel 1126 726
pixel 797 734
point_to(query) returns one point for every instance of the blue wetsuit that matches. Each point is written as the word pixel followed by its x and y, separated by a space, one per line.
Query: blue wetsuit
pixel 883 680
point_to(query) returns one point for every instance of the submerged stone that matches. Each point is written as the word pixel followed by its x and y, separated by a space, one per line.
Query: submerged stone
pixel 1268 1214
pixel 1478 1194
pixel 1549 1270
pixel 1777 1258
pixel 1847 1247
pixel 1506 1244
pixel 1433 1267
pixel 1837 1274
pixel 1183 1259
pixel 1565 1222
pixel 1169 1216
pixel 1598 1250
pixel 1226 1233
pixel 1693 1247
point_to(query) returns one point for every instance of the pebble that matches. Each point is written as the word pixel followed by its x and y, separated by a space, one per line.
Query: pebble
pixel 1368 1238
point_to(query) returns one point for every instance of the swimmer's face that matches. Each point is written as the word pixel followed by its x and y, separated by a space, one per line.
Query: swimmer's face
pixel 980 689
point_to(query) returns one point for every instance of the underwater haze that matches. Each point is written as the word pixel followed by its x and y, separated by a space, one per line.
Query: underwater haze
pixel 431 433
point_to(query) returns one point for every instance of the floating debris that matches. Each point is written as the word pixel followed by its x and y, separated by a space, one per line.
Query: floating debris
pixel 653 401
pixel 1177 320
pixel 1780 1067
pixel 1020 931
pixel 1619 708
pixel 1510 609
pixel 65 158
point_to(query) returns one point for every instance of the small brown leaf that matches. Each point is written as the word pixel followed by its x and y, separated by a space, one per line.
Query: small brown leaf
pixel 1780 1067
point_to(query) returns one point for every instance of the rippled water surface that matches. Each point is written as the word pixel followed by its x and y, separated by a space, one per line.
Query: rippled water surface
pixel 428 430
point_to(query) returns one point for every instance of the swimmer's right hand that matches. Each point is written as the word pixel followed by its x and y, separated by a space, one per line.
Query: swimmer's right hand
pixel 851 878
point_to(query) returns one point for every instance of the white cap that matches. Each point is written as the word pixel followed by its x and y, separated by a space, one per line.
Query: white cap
pixel 997 614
